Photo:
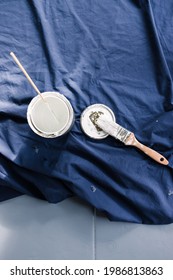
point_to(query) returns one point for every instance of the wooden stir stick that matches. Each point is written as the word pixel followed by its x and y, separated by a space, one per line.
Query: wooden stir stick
pixel 26 74
pixel 32 83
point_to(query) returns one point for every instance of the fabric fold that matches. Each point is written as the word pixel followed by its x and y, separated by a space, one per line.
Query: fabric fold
pixel 118 53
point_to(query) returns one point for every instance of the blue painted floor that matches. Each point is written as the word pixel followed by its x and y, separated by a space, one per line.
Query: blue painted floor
pixel 34 229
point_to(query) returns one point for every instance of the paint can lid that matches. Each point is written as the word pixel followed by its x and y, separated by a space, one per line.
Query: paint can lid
pixel 88 126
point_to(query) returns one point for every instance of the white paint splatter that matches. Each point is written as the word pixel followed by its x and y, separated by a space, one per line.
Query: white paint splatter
pixel 93 188
pixel 36 149
pixel 170 192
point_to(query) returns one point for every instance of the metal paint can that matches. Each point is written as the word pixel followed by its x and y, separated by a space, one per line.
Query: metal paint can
pixel 88 127
pixel 51 116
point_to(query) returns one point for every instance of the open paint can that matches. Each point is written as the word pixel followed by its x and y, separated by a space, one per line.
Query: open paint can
pixel 50 116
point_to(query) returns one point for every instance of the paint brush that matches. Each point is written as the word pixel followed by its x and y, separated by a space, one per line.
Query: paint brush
pixel 125 136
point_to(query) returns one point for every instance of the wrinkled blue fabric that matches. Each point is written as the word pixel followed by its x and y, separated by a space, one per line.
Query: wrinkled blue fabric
pixel 115 52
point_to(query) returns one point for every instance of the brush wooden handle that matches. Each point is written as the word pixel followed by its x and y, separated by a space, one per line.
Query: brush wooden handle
pixel 148 151
pixel 128 138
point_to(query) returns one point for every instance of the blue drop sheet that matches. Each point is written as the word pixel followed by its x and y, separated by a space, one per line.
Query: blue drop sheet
pixel 115 52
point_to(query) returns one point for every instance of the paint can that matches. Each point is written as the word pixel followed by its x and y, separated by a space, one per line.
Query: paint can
pixel 51 116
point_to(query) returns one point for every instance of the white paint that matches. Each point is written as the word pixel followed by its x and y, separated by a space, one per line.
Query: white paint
pixel 51 117
pixel 93 188
pixel 88 127
pixel 46 121
pixel 170 192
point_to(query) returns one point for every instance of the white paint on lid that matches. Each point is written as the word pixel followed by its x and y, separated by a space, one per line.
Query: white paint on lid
pixel 88 127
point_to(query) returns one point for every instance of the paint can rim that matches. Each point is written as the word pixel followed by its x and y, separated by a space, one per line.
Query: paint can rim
pixel 65 128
